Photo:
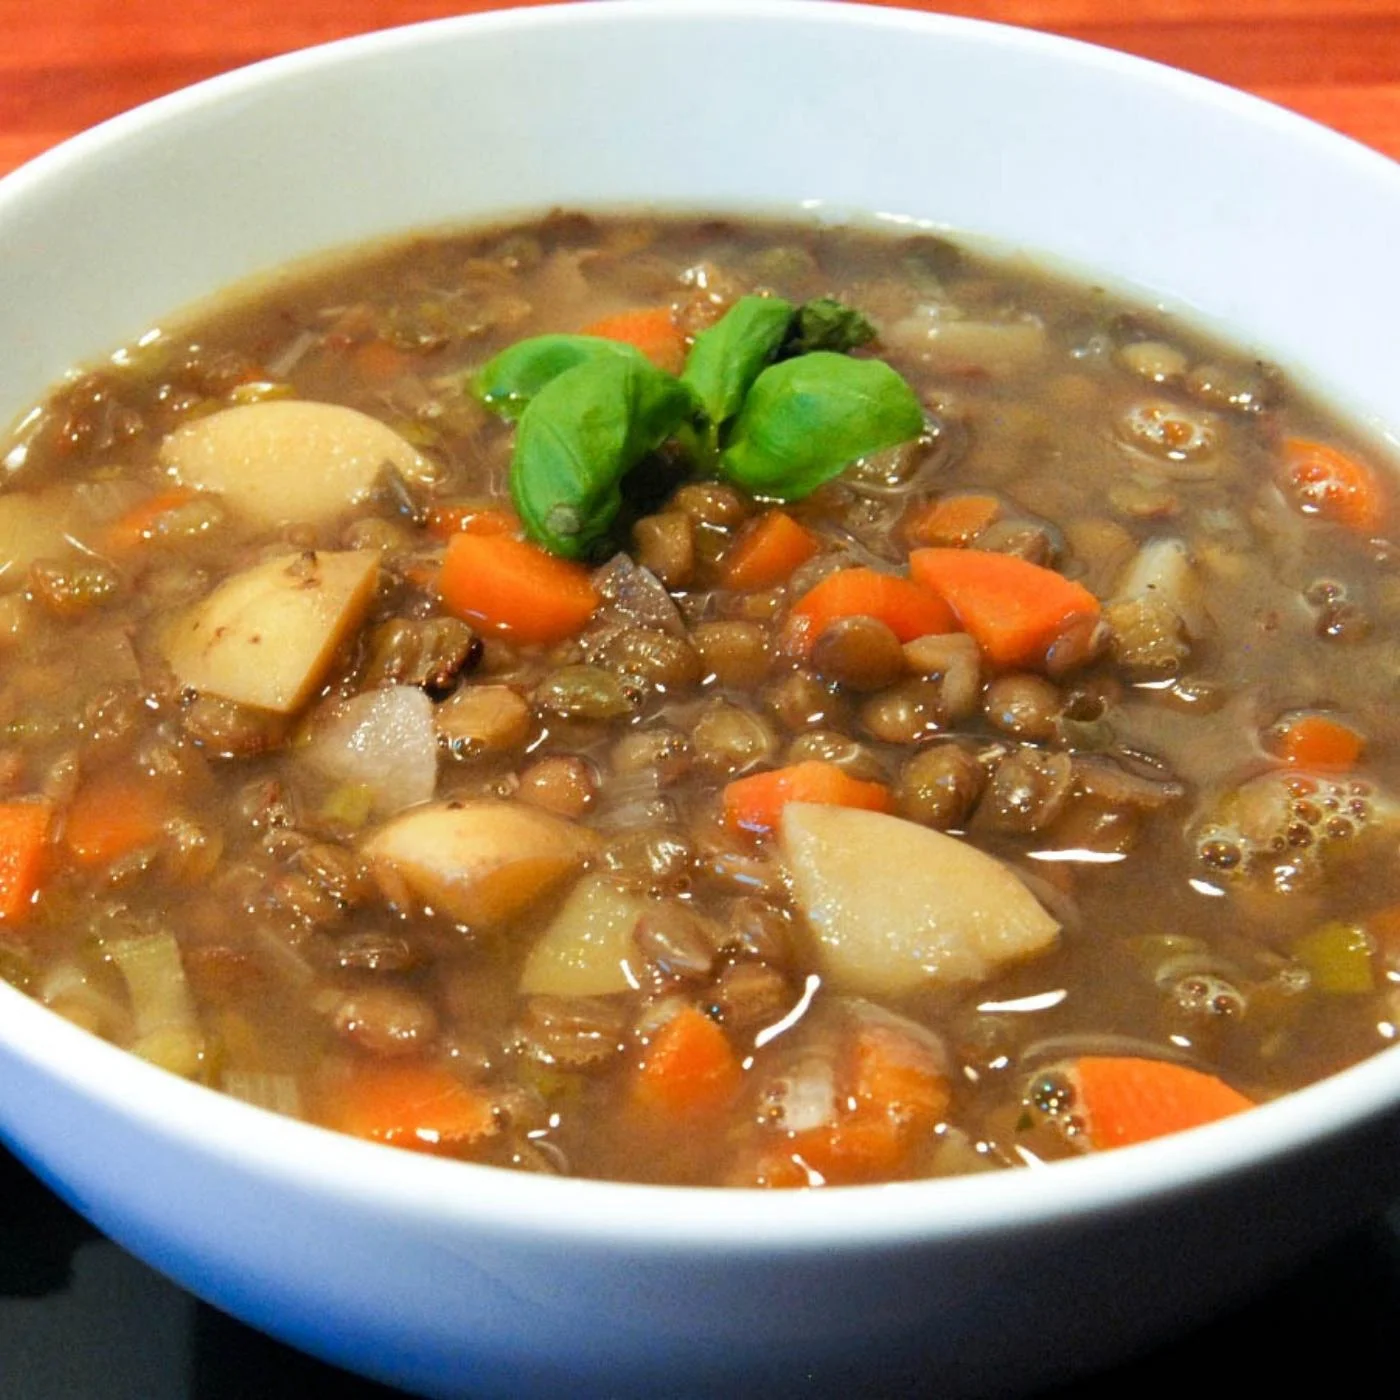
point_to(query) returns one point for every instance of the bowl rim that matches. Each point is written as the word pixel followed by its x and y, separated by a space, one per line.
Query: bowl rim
pixel 650 1219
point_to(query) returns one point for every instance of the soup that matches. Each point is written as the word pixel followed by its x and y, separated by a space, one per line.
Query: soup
pixel 705 702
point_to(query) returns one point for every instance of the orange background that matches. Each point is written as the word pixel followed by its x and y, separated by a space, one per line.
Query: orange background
pixel 67 64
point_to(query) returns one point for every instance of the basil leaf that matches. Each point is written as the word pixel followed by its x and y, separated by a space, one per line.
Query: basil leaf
pixel 507 383
pixel 827 324
pixel 577 439
pixel 726 359
pixel 806 420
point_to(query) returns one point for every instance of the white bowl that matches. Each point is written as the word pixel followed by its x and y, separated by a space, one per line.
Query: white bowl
pixel 453 1279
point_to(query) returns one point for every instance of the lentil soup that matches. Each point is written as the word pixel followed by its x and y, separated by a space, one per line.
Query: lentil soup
pixel 708 702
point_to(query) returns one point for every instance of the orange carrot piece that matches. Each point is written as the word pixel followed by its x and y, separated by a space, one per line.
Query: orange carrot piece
pixel 1332 485
pixel 24 836
pixel 652 330
pixel 896 1075
pixel 1014 609
pixel 378 361
pixel 767 551
pixel 113 815
pixel 756 803
pixel 1125 1099
pixel 863 1146
pixel 907 608
pixel 513 587
pixel 689 1070
pixel 1317 741
pixel 420 1106
pixel 141 523
pixel 469 518
pixel 954 521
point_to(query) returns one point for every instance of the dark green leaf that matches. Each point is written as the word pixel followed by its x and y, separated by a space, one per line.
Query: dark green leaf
pixel 806 420
pixel 828 324
pixel 726 359
pixel 580 435
pixel 508 383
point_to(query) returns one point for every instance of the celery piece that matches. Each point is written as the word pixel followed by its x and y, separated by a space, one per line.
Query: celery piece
pixel 166 1031
pixel 1338 958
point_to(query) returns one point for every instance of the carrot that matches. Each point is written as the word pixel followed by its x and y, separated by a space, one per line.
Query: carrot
pixel 1328 483
pixel 1125 1099
pixel 410 1104
pixel 908 609
pixel 951 520
pixel 141 522
pixel 112 815
pixel 1014 609
pixel 653 331
pixel 470 518
pixel 767 551
pixel 513 587
pixel 1317 741
pixel 378 361
pixel 689 1070
pixel 899 1077
pixel 756 803
pixel 24 836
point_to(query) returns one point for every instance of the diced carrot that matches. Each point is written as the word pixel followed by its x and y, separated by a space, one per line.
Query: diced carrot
pixel 652 330
pixel 513 587
pixel 1126 1099
pixel 1014 609
pixel 378 361
pixel 1332 485
pixel 898 1076
pixel 24 835
pixel 1317 741
pixel 756 803
pixel 954 521
pixel 907 608
pixel 113 815
pixel 863 1146
pixel 689 1070
pixel 470 518
pixel 411 1104
pixel 767 551
pixel 141 522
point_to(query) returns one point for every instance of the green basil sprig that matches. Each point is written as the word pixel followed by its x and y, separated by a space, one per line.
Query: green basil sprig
pixel 765 399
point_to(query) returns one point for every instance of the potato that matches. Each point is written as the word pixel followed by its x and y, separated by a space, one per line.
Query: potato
pixel 33 524
pixel 266 636
pixel 587 949
pixel 895 906
pixel 481 862
pixel 286 459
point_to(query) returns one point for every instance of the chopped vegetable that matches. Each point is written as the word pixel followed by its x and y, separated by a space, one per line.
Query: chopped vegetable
pixel 114 814
pixel 33 525
pixel 288 459
pixel 267 636
pixel 768 551
pixel 141 522
pixel 1317 741
pixel 907 608
pixel 895 906
pixel 1327 482
pixel 1124 1099
pixel 1338 958
pixel 424 1107
pixel 653 331
pixel 481 862
pixel 1015 609
pixel 587 950
pixel 951 521
pixel 756 803
pixel 166 1029
pixel 469 518
pixel 24 835
pixel 514 587
pixel 688 1070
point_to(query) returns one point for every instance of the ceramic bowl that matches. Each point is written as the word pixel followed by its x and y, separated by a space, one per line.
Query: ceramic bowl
pixel 462 1280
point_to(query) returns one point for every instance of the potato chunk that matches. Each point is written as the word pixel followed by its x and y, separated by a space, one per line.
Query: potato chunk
pixel 266 636
pixel 481 862
pixel 286 459
pixel 588 949
pixel 895 905
pixel 32 524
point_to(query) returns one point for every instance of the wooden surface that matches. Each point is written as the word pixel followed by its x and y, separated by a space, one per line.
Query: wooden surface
pixel 67 64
